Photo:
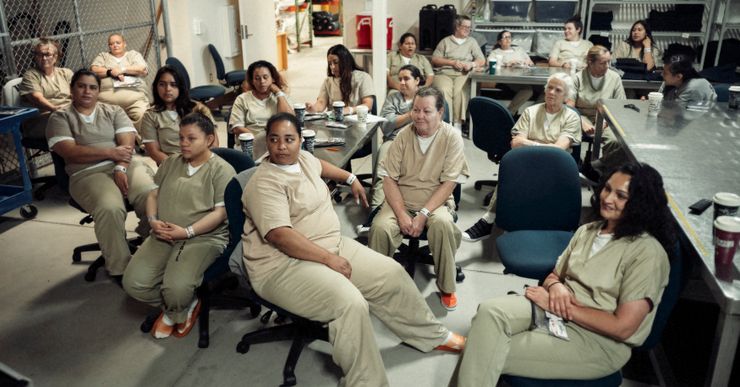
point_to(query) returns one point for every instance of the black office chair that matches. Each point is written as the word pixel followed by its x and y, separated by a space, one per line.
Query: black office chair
pixel 539 206
pixel 492 124
pixel 231 79
pixel 217 277
pixel 667 302
pixel 92 270
pixel 300 331
pixel 203 93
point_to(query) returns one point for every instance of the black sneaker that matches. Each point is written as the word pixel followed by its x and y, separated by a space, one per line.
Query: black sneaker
pixel 479 231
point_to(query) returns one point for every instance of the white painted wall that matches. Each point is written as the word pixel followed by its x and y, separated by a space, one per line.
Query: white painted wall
pixel 405 14
pixel 192 49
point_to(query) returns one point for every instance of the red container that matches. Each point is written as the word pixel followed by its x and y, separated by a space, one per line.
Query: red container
pixel 365 31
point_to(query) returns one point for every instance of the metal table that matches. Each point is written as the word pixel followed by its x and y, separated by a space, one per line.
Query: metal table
pixel 15 196
pixel 698 155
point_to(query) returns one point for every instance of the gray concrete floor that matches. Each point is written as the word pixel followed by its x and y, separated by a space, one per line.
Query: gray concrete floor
pixel 59 330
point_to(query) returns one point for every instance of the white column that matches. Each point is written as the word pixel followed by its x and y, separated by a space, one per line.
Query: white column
pixel 379 50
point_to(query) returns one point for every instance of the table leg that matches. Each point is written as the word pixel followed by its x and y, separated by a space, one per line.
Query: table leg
pixel 599 132
pixel 473 94
pixel 723 349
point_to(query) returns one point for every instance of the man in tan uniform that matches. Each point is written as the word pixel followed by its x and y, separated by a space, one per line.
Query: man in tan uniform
pixel 423 166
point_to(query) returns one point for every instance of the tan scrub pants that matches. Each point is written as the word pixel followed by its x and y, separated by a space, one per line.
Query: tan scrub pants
pixel 443 235
pixel 98 194
pixel 168 274
pixel 456 90
pixel 378 285
pixel 499 342
pixel 133 101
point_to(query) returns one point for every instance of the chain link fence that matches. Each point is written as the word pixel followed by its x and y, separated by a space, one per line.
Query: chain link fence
pixel 82 27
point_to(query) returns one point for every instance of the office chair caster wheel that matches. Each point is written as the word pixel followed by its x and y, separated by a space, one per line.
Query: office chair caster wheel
pixel 337 197
pixel 266 317
pixel 459 275
pixel 289 381
pixel 204 341
pixel 91 274
pixel 281 320
pixel 29 211
pixel 255 310
pixel 242 347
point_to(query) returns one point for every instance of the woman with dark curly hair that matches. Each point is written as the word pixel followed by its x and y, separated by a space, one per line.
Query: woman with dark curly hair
pixel 682 83
pixel 345 82
pixel 639 45
pixel 606 287
pixel 160 126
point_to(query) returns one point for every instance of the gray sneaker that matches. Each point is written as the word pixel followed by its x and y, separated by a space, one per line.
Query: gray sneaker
pixel 479 231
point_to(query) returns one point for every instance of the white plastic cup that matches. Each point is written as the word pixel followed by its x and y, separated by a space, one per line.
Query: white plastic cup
pixel 362 112
pixel 573 65
pixel 655 99
pixel 338 111
pixel 309 139
pixel 725 204
pixel 300 112
pixel 246 140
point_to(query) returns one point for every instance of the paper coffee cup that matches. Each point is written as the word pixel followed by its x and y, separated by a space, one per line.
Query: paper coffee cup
pixel 725 204
pixel 246 140
pixel 733 99
pixel 300 112
pixel 362 112
pixel 492 67
pixel 655 99
pixel 726 238
pixel 309 139
pixel 573 65
pixel 338 111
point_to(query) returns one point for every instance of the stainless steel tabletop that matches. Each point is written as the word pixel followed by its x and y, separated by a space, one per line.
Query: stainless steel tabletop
pixel 537 75
pixel 698 155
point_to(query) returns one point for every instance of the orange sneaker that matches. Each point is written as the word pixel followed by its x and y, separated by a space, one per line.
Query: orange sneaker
pixel 449 300
pixel 455 343
pixel 182 329
pixel 161 329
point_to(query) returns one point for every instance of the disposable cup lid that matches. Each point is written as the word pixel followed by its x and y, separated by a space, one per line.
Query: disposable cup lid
pixel 299 106
pixel 727 199
pixel 363 108
pixel 735 88
pixel 727 223
pixel 655 94
pixel 309 133
pixel 338 104
pixel 246 136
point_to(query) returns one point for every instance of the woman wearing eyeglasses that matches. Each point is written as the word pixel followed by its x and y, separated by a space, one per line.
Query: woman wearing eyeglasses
pixel 512 56
pixel 45 87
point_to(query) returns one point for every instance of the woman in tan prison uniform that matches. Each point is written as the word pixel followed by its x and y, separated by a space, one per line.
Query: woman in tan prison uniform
pixel 407 55
pixel 160 126
pixel 188 221
pixel 345 82
pixel 607 284
pixel 122 73
pixel 424 164
pixel 96 141
pixel 265 97
pixel 297 259
pixel 454 58
pixel 572 47
pixel 45 87
pixel 550 123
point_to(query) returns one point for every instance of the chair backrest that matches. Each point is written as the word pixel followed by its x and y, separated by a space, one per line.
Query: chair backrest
pixel 236 216
pixel 180 68
pixel 723 91
pixel 11 94
pixel 238 159
pixel 446 117
pixel 492 124
pixel 220 68
pixel 538 189
pixel 668 301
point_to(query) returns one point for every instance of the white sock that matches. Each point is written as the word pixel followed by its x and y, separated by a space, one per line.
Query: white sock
pixel 191 308
pixel 166 319
pixel 489 217
pixel 449 338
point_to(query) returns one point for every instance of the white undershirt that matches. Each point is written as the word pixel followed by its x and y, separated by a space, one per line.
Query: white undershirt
pixel 88 119
pixel 290 168
pixel 599 242
pixel 192 170
pixel 596 82
pixel 425 142
pixel 405 60
pixel 574 43
pixel 172 114
pixel 549 117
pixel 458 40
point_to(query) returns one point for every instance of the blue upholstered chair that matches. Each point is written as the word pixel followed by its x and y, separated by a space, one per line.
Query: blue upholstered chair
pixel 492 124
pixel 667 302
pixel 232 78
pixel 539 207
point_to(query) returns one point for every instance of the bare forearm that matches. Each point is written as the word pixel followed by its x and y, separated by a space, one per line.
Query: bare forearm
pixel 82 154
pixel 440 195
pixel 154 152
pixel 100 71
pixel 393 196
pixel 151 203
pixel 329 171
pixel 209 221
pixel 402 120
pixel 296 245
pixel 38 101
pixel 283 105
pixel 599 321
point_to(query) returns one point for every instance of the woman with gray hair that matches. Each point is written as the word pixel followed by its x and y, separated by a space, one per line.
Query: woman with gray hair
pixel 550 123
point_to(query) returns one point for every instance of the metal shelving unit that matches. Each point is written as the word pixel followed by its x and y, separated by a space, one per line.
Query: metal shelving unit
pixel 627 12
pixel 308 23
pixel 728 22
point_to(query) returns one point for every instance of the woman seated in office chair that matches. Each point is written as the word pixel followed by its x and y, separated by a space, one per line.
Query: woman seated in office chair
pixel 406 55
pixel 160 126
pixel 345 82
pixel 512 56
pixel 122 72
pixel 298 260
pixel 454 58
pixel 597 81
pixel 423 165
pixel 682 83
pixel 606 286
pixel 571 48
pixel 550 123
pixel 640 45
pixel 397 111
pixel 96 141
pixel 264 97
pixel 45 87
pixel 188 220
